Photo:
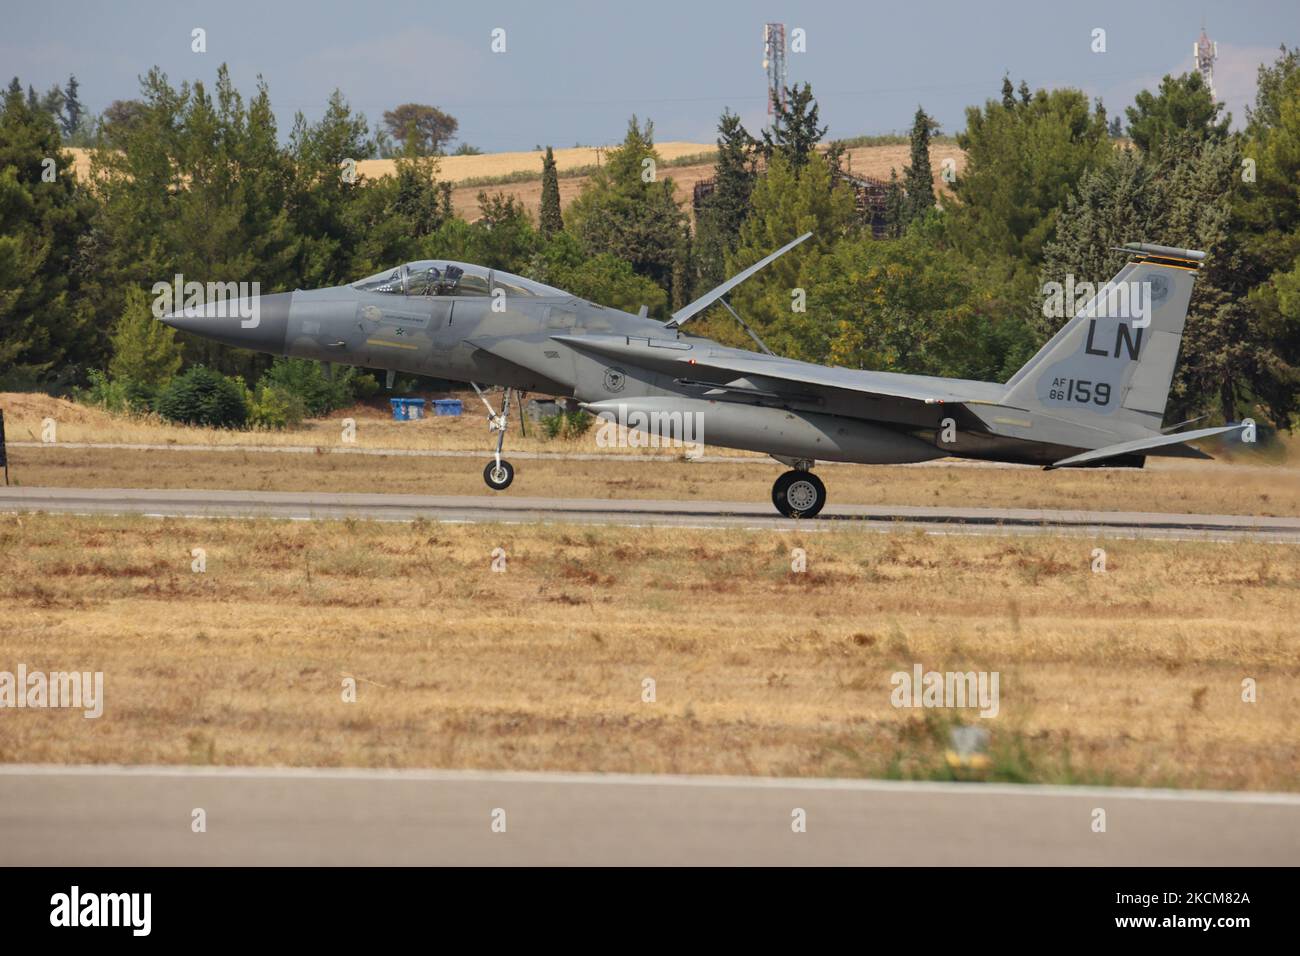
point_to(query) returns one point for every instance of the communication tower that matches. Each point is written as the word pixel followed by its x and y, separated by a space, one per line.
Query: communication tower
pixel 774 64
pixel 1204 52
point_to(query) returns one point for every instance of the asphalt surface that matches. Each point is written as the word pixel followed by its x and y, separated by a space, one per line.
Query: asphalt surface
pixel 89 816
pixel 677 456
pixel 506 507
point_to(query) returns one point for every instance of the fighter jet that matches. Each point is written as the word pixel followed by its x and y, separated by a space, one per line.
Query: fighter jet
pixel 1095 394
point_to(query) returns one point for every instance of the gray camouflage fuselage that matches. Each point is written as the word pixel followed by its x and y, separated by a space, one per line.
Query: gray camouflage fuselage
pixel 1096 385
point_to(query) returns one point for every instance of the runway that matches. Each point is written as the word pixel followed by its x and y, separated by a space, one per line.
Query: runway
pixel 507 508
pixel 642 458
pixel 93 816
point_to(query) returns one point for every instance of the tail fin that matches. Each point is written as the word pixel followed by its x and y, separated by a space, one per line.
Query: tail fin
pixel 1116 357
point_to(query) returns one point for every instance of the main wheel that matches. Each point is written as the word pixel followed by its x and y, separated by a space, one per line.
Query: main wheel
pixel 498 477
pixel 799 494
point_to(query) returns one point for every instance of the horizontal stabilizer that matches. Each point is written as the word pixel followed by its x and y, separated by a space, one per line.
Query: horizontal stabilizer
pixel 1140 444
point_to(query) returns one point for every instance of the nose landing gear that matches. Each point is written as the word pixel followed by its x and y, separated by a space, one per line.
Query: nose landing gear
pixel 799 494
pixel 499 473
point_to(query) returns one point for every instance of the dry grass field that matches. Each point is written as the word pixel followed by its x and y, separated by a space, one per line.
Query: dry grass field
pixel 1133 676
pixel 25 413
pixel 876 161
pixel 455 169
pixel 1246 486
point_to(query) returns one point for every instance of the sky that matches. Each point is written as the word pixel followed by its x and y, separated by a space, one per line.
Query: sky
pixel 573 72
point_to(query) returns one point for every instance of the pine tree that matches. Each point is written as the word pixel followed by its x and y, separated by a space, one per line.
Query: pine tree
pixel 679 288
pixel 72 109
pixel 784 205
pixel 895 207
pixel 1269 94
pixel 52 103
pixel 723 212
pixel 145 351
pixel 1009 197
pixel 504 232
pixel 628 208
pixel 1266 218
pixel 1179 116
pixel 794 133
pixel 322 198
pixel 1228 357
pixel 47 333
pixel 918 179
pixel 551 220
pixel 1008 94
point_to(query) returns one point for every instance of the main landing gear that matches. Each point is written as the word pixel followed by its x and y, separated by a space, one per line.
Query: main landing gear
pixel 799 493
pixel 499 473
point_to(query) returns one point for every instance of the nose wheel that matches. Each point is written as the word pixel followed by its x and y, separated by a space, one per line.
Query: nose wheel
pixel 498 473
pixel 799 494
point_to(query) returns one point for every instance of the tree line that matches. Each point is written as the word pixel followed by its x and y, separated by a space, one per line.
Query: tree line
pixel 198 180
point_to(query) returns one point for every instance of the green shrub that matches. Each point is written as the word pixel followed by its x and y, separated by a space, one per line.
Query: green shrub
pixel 201 396
pixel 306 379
pixel 567 424
pixel 116 393
pixel 364 385
pixel 107 393
pixel 273 408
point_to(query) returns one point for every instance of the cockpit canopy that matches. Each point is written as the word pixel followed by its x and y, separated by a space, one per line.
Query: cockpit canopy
pixel 440 277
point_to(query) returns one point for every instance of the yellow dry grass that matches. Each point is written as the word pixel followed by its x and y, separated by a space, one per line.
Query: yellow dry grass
pixel 1129 677
pixel 875 161
pixel 26 413
pixel 81 159
pixel 455 169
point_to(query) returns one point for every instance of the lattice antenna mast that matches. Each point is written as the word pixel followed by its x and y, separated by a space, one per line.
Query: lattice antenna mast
pixel 774 66
pixel 1204 52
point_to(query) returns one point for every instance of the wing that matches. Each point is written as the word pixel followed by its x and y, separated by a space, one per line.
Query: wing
pixel 723 370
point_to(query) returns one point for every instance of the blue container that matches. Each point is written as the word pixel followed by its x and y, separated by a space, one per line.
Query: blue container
pixel 447 406
pixel 407 409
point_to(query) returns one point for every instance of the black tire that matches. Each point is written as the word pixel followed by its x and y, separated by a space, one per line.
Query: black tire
pixel 799 494
pixel 499 480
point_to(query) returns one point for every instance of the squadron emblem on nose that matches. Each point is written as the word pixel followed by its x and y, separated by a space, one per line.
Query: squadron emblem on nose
pixel 615 379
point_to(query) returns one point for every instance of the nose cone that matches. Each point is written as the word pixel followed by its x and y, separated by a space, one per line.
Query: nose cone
pixel 259 322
